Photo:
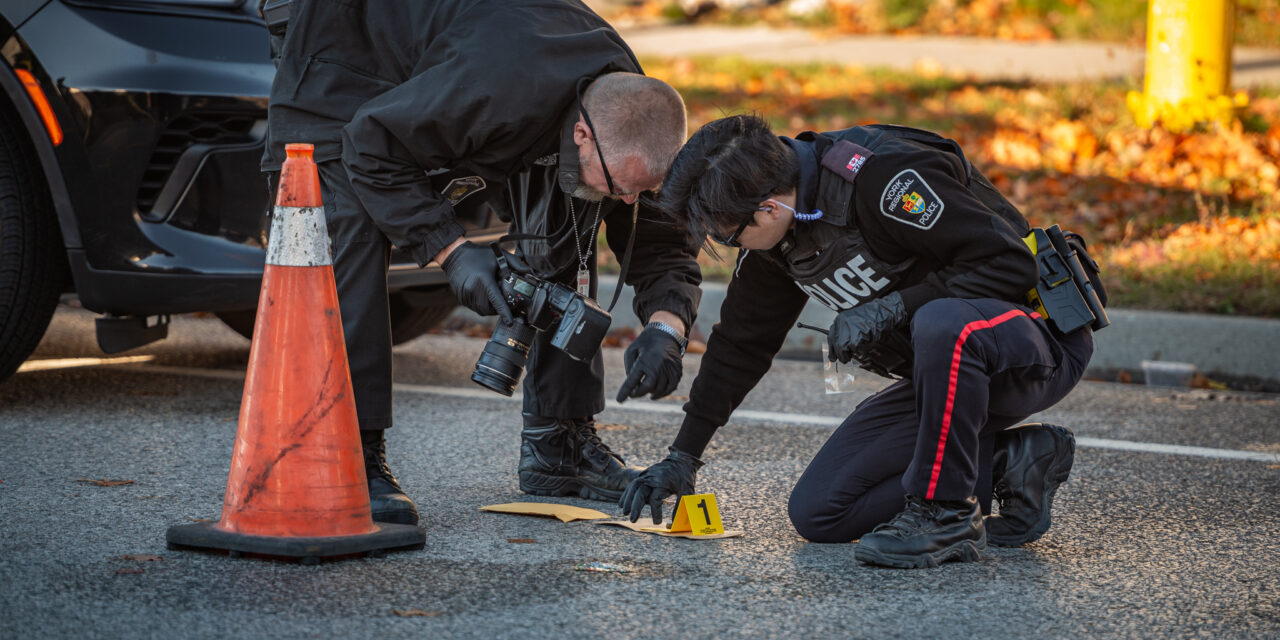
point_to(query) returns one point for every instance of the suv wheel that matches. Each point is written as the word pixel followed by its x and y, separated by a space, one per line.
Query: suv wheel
pixel 33 264
pixel 407 321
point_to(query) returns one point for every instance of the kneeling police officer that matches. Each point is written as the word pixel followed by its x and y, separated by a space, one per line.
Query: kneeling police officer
pixel 929 269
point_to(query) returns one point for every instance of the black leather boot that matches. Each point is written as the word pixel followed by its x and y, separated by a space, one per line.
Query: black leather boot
pixel 387 500
pixel 1029 464
pixel 926 534
pixel 604 472
pixel 565 457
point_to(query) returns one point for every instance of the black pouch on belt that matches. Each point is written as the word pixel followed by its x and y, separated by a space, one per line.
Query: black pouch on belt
pixel 1068 293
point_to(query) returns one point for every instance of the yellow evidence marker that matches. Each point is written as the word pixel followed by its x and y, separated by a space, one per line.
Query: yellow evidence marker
pixel 698 515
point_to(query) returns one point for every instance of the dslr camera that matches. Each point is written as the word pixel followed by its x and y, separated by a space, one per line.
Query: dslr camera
pixel 578 323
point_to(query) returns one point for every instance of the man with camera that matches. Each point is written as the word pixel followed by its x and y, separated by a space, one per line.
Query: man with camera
pixel 423 112
pixel 929 270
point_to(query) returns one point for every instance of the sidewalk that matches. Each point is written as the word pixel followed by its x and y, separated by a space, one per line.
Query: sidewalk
pixel 985 58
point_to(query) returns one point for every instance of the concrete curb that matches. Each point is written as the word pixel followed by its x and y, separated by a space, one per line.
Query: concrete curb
pixel 1217 345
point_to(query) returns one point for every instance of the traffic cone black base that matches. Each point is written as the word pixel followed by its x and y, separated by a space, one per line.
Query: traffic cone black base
pixel 206 536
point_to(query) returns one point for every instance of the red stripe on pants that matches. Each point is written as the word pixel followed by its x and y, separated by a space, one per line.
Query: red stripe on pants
pixel 951 387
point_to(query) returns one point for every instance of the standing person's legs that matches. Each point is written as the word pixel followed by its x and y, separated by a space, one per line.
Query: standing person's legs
pixel 361 255
pixel 855 481
pixel 560 450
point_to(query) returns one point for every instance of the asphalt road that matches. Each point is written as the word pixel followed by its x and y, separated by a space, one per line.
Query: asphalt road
pixel 1167 528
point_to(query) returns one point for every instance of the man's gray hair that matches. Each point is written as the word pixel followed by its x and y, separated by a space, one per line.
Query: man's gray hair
pixel 637 115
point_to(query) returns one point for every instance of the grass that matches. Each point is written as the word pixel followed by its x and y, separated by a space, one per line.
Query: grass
pixel 1186 222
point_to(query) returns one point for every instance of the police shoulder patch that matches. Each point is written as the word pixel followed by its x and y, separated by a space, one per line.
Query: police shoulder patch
pixel 459 189
pixel 845 159
pixel 909 200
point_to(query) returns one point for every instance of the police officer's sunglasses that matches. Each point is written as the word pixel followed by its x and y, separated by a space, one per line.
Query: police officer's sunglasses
pixel 732 240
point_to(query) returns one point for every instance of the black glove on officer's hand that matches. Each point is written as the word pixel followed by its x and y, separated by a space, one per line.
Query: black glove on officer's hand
pixel 674 475
pixel 653 364
pixel 864 325
pixel 473 276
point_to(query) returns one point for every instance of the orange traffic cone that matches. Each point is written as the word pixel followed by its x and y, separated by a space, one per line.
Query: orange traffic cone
pixel 297 486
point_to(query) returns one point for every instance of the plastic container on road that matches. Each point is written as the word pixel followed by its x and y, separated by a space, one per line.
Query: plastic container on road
pixel 1168 374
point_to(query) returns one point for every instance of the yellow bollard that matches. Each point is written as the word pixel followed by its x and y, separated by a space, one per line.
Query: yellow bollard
pixel 1188 69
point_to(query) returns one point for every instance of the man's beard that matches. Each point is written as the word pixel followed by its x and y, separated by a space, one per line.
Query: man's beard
pixel 589 193
pixel 585 191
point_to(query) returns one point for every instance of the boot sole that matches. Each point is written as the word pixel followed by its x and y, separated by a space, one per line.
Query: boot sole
pixel 541 484
pixel 1059 470
pixel 963 551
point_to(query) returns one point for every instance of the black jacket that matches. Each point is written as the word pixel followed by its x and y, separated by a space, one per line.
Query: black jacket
pixel 903 210
pixel 412 95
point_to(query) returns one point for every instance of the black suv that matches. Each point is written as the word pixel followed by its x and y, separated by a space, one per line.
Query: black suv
pixel 130 135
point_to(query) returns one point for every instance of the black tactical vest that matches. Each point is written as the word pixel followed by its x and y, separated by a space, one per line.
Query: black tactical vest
pixel 829 258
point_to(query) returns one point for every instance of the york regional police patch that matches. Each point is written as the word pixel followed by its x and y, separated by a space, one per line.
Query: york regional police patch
pixel 909 200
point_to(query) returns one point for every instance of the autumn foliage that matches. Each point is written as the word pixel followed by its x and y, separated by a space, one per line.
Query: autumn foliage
pixel 1180 221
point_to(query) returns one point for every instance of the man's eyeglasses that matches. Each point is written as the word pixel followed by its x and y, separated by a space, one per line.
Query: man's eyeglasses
pixel 608 179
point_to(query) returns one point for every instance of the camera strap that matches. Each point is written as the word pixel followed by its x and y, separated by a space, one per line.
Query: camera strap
pixel 500 257
pixel 626 255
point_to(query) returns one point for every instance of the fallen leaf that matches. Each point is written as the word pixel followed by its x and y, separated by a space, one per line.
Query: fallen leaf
pixel 521 540
pixel 104 482
pixel 128 571
pixel 416 613
pixel 601 567
pixel 142 557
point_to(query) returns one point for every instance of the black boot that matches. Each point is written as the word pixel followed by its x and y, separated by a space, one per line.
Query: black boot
pixel 565 457
pixel 926 534
pixel 1029 464
pixel 387 500
pixel 602 470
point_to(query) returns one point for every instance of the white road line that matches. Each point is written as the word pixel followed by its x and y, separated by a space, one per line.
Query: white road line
pixel 740 416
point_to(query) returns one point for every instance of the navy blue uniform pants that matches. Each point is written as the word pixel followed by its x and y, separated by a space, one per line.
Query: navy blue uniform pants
pixel 980 366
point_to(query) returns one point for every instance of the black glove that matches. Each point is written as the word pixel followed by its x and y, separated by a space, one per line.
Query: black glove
pixel 673 476
pixel 653 364
pixel 473 276
pixel 864 325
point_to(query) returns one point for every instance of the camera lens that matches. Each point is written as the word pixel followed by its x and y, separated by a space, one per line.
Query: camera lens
pixel 502 361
